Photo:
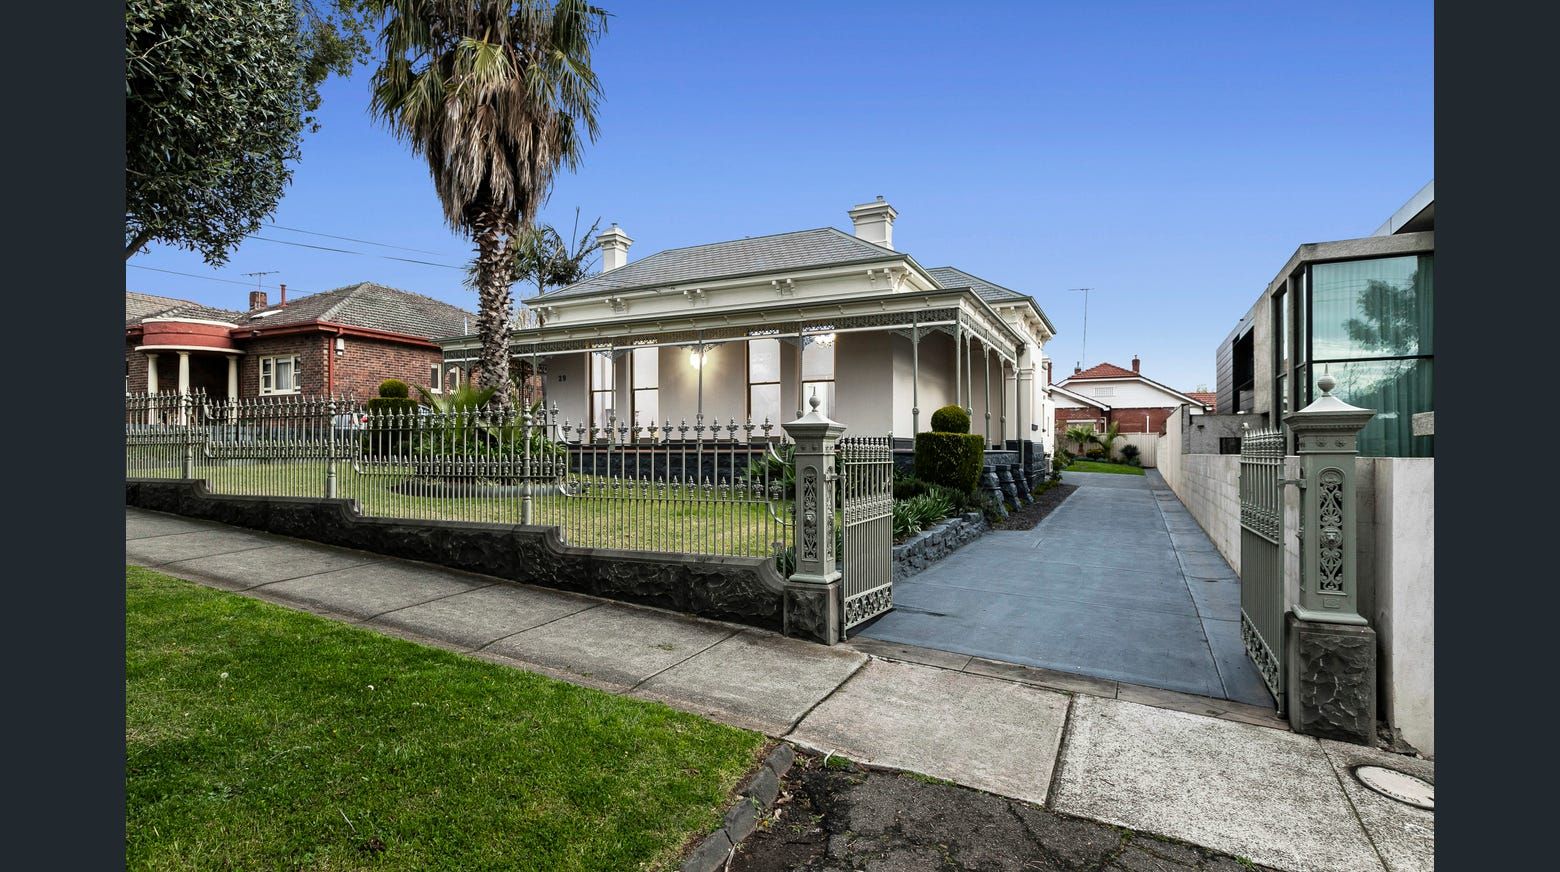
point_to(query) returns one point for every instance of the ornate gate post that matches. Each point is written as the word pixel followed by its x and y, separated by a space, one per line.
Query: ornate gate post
pixel 1330 649
pixel 812 593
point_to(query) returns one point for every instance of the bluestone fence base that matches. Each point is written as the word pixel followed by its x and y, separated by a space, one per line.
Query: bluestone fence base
pixel 745 590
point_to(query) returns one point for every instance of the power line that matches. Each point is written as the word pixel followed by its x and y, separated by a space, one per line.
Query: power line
pixel 358 253
pixel 189 275
pixel 351 239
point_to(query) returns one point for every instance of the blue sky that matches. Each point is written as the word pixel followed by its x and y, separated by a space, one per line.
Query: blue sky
pixel 1172 156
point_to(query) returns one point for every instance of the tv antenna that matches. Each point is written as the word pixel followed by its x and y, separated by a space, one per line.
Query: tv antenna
pixel 1084 351
pixel 259 275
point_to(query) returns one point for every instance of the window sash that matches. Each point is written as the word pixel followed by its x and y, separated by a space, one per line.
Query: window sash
pixel 279 374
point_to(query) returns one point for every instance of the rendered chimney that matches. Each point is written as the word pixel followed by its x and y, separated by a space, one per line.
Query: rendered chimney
pixel 614 248
pixel 875 222
pixel 257 301
pixel 1136 364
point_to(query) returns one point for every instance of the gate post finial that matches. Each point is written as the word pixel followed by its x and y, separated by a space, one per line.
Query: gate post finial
pixel 812 593
pixel 1326 435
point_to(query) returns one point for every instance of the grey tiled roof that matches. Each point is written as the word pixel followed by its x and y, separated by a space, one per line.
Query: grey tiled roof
pixel 139 307
pixel 952 277
pixel 374 307
pixel 367 305
pixel 800 249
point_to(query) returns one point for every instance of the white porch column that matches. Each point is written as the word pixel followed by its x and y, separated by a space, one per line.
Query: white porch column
pixel 232 377
pixel 151 388
pixel 184 385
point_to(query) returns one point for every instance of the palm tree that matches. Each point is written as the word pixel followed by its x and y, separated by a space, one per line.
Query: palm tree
pixel 1080 436
pixel 1108 439
pixel 496 96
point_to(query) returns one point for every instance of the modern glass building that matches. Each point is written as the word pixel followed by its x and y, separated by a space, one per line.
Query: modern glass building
pixel 1360 310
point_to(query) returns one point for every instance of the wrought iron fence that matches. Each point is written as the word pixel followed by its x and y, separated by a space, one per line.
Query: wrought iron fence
pixel 726 489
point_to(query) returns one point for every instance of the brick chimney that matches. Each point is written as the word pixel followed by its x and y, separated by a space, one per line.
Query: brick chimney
pixel 284 294
pixel 1136 364
pixel 875 222
pixel 614 248
pixel 257 301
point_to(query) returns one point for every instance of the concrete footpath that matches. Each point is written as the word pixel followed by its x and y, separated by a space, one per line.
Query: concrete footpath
pixel 1209 772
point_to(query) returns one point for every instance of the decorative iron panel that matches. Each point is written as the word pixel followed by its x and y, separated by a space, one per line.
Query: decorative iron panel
pixel 866 482
pixel 1262 596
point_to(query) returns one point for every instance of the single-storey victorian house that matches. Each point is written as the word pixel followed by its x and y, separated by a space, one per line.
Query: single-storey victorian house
pixel 752 329
pixel 342 342
pixel 1109 394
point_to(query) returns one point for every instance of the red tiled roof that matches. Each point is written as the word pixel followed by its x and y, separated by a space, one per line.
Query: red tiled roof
pixel 1207 398
pixel 1104 370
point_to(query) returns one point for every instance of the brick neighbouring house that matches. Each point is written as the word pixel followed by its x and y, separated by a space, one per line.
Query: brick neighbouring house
pixel 342 342
pixel 1108 394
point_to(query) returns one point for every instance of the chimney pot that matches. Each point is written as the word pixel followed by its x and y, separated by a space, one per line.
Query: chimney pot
pixel 875 222
pixel 257 301
pixel 614 248
pixel 1136 364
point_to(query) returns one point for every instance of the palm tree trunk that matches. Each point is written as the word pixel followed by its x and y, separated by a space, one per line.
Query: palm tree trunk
pixel 494 304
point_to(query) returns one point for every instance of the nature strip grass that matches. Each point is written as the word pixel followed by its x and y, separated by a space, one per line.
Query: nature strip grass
pixel 260 738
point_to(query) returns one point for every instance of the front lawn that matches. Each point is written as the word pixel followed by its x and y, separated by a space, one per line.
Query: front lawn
pixel 257 737
pixel 718 519
pixel 1102 466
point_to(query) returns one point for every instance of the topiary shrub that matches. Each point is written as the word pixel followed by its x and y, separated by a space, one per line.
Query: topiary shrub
pixel 950 419
pixel 394 388
pixel 950 459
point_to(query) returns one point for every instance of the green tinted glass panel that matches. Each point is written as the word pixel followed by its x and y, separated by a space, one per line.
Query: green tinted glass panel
pixel 1372 308
pixel 1396 389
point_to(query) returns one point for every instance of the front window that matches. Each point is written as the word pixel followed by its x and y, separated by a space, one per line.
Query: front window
pixel 602 380
pixel 646 373
pixel 435 380
pixel 763 380
pixel 818 373
pixel 279 374
pixel 1372 328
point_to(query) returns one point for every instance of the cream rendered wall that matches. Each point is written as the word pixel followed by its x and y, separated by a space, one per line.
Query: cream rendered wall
pixel 566 387
pixel 1404 614
pixel 936 387
pixel 725 384
pixel 1125 394
pixel 864 383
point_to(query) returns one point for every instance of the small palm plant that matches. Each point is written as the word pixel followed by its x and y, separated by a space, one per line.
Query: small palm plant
pixel 1107 440
pixel 1081 436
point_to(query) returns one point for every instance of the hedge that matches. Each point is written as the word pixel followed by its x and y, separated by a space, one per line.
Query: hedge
pixel 950 419
pixel 950 459
pixel 388 405
pixel 394 388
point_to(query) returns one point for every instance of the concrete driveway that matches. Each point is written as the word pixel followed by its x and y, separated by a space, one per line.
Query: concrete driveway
pixel 1119 583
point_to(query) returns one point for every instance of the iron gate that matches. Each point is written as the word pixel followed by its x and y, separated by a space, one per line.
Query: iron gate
pixel 866 481
pixel 1262 601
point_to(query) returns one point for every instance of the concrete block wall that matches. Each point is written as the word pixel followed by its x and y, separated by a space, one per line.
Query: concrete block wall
pixel 1209 486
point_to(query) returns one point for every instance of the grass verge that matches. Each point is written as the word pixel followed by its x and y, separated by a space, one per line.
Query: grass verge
pixel 1101 466
pixel 257 737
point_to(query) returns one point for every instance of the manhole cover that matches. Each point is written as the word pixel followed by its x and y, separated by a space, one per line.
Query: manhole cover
pixel 1397 785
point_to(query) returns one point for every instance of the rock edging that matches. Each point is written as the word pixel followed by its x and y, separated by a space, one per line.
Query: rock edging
pixel 756 798
pixel 929 546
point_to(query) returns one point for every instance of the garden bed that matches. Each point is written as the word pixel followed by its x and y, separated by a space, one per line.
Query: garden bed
pixel 929 546
pixel 1103 466
pixel 1046 501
